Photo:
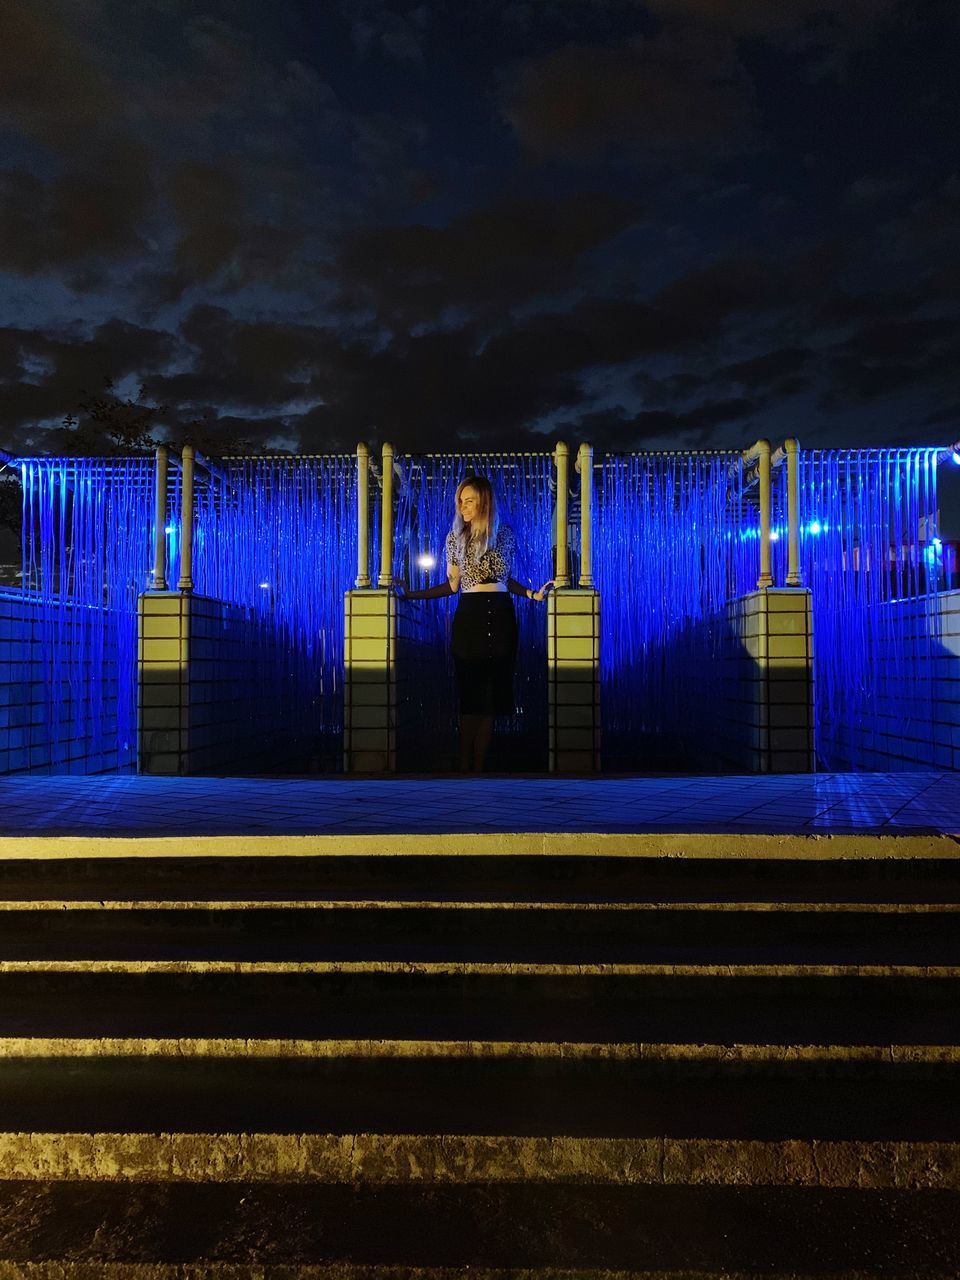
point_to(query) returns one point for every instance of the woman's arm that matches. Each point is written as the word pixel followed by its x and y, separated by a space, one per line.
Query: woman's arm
pixel 528 592
pixel 430 593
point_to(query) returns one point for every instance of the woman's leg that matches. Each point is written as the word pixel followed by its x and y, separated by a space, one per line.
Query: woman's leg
pixel 481 742
pixel 469 724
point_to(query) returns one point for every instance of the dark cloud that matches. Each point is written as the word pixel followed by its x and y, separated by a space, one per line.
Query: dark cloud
pixel 433 386
pixel 392 31
pixel 616 429
pixel 218 240
pixel 912 339
pixel 78 215
pixel 761 17
pixel 207 205
pixel 494 257
pixel 948 416
pixel 216 70
pixel 714 292
pixel 928 229
pixel 582 102
pixel 771 370
pixel 43 376
pixel 887 358
pixel 50 89
pixel 772 374
pixel 253 365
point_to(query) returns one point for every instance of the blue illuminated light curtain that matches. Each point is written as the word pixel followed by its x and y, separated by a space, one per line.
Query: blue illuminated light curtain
pixel 676 537
pixel 278 537
pixel 87 551
pixel 868 554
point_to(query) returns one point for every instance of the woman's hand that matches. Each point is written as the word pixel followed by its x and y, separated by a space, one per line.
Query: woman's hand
pixel 544 590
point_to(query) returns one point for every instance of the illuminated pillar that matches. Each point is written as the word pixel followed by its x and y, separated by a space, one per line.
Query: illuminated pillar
pixel 363 516
pixel 561 456
pixel 160 515
pixel 186 521
pixel 386 520
pixel 794 576
pixel 766 575
pixel 585 467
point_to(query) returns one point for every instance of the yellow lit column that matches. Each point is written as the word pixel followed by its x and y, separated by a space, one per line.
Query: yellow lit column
pixel 585 467
pixel 185 582
pixel 561 456
pixel 160 518
pixel 766 570
pixel 794 575
pixel 363 516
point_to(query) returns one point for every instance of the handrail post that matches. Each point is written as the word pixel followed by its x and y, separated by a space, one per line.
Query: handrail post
pixel 363 516
pixel 766 575
pixel 186 520
pixel 585 467
pixel 385 578
pixel 794 575
pixel 561 456
pixel 160 535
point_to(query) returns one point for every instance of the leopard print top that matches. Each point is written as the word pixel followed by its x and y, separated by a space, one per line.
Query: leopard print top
pixel 494 565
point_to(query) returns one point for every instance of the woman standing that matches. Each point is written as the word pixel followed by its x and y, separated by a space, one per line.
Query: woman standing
pixel 480 554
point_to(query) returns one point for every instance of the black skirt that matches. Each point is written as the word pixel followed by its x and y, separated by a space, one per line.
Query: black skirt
pixel 484 645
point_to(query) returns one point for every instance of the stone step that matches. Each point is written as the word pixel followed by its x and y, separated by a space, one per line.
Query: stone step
pixel 397 1159
pixel 211 1269
pixel 413 1000
pixel 466 876
pixel 508 1229
pixel 555 1092
pixel 491 932
pixel 514 1065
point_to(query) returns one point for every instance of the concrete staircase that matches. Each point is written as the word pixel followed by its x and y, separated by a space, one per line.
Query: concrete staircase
pixel 456 1063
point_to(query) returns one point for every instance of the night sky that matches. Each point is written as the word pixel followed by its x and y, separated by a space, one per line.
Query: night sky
pixel 677 223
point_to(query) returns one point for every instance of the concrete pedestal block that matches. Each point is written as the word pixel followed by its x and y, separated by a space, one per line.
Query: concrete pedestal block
pixel 573 680
pixel 370 681
pixel 776 629
pixel 163 668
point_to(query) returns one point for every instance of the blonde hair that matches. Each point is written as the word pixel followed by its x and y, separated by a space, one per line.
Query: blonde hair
pixel 486 536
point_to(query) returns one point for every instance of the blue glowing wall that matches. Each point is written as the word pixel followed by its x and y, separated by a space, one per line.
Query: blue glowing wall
pixel 87 552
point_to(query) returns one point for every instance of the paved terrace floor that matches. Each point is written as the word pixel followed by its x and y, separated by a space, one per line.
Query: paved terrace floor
pixel 804 804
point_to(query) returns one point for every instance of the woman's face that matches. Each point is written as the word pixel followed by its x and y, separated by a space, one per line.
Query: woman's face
pixel 469 503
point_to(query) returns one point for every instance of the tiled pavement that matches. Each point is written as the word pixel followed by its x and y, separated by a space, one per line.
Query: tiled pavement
pixel 829 803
